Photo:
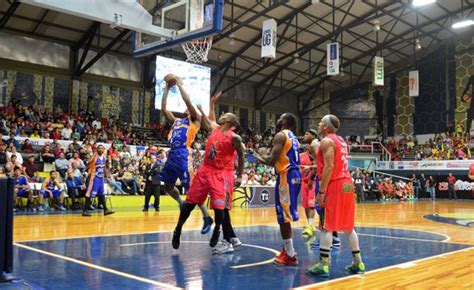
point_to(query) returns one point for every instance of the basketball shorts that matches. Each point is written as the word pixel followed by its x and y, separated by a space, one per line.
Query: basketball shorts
pixel 98 187
pixel 56 193
pixel 22 193
pixel 178 165
pixel 308 196
pixel 337 213
pixel 287 188
pixel 216 183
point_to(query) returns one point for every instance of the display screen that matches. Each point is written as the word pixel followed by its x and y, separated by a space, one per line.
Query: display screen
pixel 196 80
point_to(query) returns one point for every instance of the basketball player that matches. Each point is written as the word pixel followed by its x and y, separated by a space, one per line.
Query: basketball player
pixel 213 177
pixel 22 188
pixel 336 197
pixel 308 191
pixel 51 188
pixel 230 241
pixel 285 157
pixel 179 162
pixel 309 180
pixel 96 181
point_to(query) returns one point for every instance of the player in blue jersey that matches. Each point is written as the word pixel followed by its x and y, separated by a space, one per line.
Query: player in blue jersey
pixel 22 188
pixel 180 159
pixel 51 188
pixel 96 181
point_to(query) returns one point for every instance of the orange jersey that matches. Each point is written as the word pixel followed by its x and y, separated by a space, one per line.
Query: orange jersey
pixel 289 156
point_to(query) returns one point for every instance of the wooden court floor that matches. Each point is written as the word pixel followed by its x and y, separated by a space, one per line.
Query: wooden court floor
pixel 447 271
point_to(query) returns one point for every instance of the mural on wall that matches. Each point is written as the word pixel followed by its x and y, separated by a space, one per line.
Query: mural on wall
pixel 23 89
pixel 61 94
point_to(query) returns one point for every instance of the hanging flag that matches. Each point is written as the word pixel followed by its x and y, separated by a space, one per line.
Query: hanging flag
pixel 269 38
pixel 332 57
pixel 413 84
pixel 378 71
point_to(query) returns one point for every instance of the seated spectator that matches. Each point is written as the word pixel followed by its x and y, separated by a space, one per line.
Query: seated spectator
pixel 27 147
pixel 13 141
pixel 56 134
pixel 62 165
pixel 70 152
pixel 76 188
pixel 13 152
pixel 66 132
pixel 3 156
pixel 31 169
pixel 52 189
pixel 76 159
pixel 35 135
pixel 76 146
pixel 47 155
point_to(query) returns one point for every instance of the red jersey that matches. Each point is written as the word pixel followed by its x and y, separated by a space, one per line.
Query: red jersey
pixel 341 167
pixel 220 151
pixel 306 160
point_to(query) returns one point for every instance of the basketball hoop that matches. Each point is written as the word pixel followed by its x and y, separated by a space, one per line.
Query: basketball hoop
pixel 197 50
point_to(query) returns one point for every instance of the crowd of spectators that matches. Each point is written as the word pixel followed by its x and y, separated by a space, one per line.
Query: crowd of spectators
pixel 127 170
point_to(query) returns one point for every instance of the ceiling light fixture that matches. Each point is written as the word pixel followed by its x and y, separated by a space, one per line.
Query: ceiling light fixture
pixel 297 58
pixel 417 44
pixel 419 3
pixel 232 40
pixel 462 23
pixel 376 25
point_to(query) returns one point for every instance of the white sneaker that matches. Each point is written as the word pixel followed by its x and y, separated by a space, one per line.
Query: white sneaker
pixel 235 242
pixel 223 247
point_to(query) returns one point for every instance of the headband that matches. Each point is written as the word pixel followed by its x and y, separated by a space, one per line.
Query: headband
pixel 326 119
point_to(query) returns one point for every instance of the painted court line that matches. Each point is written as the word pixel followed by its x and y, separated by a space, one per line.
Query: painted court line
pixel 206 242
pixel 100 268
pixel 399 266
pixel 401 238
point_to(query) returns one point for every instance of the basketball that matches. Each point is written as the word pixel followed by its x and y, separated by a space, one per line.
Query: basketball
pixel 171 80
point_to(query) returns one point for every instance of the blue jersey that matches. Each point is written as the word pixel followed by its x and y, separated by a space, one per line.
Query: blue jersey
pixel 182 133
pixel 289 156
pixel 21 180
pixel 50 185
pixel 97 167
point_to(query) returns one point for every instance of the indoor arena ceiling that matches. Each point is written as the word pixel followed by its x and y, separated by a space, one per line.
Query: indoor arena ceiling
pixel 304 29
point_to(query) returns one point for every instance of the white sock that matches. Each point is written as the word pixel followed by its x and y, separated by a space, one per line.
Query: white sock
pixel 290 251
pixel 311 221
pixel 354 244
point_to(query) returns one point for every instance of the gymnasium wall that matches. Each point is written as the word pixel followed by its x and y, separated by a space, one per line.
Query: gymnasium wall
pixel 111 87
pixel 444 73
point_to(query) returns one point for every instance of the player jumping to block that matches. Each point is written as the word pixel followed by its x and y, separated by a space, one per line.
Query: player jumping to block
pixel 181 137
pixel 213 177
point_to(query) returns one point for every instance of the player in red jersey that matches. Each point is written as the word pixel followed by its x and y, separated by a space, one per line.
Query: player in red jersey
pixel 213 177
pixel 308 179
pixel 336 197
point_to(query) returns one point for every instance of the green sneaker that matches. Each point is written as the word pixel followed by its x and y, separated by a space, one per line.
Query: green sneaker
pixel 356 269
pixel 309 231
pixel 318 270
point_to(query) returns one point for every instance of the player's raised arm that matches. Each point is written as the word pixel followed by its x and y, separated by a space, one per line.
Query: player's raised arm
pixel 237 143
pixel 192 110
pixel 212 105
pixel 270 159
pixel 168 115
pixel 205 122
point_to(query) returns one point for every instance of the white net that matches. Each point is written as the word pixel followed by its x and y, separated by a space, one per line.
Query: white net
pixel 197 50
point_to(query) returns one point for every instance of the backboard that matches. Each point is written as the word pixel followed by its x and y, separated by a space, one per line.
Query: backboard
pixel 188 19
